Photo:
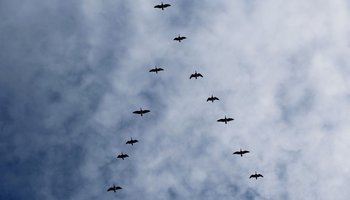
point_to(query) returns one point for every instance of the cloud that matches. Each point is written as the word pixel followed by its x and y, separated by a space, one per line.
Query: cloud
pixel 72 73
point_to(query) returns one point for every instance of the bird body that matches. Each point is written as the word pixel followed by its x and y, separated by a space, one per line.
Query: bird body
pixel 179 38
pixel 131 141
pixel 162 6
pixel 122 156
pixel 240 152
pixel 141 112
pixel 196 75
pixel 225 120
pixel 212 99
pixel 256 175
pixel 156 69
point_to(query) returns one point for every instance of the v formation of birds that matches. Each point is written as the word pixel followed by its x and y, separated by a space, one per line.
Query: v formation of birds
pixel 141 112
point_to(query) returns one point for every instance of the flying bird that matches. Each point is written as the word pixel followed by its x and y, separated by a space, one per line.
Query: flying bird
pixel 212 98
pixel 132 142
pixel 225 120
pixel 162 6
pixel 240 152
pixel 156 69
pixel 114 188
pixel 179 38
pixel 255 175
pixel 141 112
pixel 196 75
pixel 122 156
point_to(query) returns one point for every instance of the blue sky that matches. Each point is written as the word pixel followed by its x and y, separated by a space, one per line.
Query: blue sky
pixel 71 73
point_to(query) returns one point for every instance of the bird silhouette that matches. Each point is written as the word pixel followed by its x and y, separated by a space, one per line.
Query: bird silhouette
pixel 132 142
pixel 156 69
pixel 122 156
pixel 179 38
pixel 255 175
pixel 114 188
pixel 212 98
pixel 162 6
pixel 196 75
pixel 141 112
pixel 225 120
pixel 240 152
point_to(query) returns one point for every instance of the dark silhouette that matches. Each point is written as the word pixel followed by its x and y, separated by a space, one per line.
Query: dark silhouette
pixel 141 112
pixel 114 188
pixel 255 175
pixel 122 156
pixel 196 75
pixel 162 6
pixel 156 70
pixel 212 99
pixel 225 120
pixel 179 38
pixel 132 142
pixel 240 152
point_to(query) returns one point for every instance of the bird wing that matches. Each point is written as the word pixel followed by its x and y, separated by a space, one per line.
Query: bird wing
pixel 145 111
pixel 229 119
pixel 110 189
pixel 160 69
pixel 245 151
pixel 192 75
pixel 166 5
pixel 136 141
pixel 129 142
pixel 137 112
pixel 209 99
pixel 119 156
pixel 182 38
pixel 221 120
pixel 215 98
pixel 118 188
pixel 200 75
pixel 260 175
pixel 152 70
pixel 236 152
pixel 158 6
pixel 177 38
pixel 252 176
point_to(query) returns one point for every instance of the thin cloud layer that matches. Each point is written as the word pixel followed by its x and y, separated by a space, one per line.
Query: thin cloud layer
pixel 73 73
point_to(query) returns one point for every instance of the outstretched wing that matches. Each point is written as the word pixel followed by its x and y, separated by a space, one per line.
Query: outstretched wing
pixel 199 75
pixel 215 98
pixel 259 175
pixel 129 142
pixel 110 189
pixel 245 151
pixel 237 152
pixel 209 99
pixel 229 119
pixel 160 69
pixel 137 112
pixel 177 38
pixel 166 5
pixel 192 75
pixel 221 120
pixel 182 38
pixel 118 188
pixel 145 111
pixel 252 176
pixel 152 70
pixel 158 6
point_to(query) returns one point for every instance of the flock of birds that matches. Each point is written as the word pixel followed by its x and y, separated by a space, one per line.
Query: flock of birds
pixel 141 112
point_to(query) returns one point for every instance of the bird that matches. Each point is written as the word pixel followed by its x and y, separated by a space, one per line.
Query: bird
pixel 114 188
pixel 162 6
pixel 225 120
pixel 179 38
pixel 141 112
pixel 255 175
pixel 240 152
pixel 212 98
pixel 122 156
pixel 196 75
pixel 132 142
pixel 156 69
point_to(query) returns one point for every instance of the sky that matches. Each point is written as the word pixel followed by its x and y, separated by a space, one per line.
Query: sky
pixel 72 73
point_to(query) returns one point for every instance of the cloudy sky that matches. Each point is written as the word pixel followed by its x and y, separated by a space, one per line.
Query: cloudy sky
pixel 72 73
